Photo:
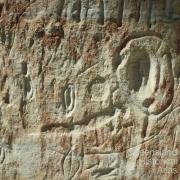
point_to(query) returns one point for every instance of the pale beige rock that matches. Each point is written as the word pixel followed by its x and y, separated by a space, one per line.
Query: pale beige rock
pixel 89 90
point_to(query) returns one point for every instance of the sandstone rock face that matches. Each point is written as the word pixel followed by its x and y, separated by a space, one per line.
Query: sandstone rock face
pixel 89 89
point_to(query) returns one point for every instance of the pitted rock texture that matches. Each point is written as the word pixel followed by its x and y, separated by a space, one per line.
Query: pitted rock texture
pixel 89 89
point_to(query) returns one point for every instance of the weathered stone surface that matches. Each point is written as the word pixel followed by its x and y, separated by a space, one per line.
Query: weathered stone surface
pixel 89 89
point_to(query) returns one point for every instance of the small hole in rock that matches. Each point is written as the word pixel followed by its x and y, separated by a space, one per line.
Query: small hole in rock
pixel 24 68
pixel 6 97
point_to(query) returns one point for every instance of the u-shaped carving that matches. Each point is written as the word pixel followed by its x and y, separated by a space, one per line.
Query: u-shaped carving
pixel 69 97
pixel 147 72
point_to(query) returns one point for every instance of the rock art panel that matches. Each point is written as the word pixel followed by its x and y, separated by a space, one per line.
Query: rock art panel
pixel 89 89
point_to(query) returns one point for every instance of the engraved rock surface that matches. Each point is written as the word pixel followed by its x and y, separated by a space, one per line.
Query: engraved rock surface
pixel 89 89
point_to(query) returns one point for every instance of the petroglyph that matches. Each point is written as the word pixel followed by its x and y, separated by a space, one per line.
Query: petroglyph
pixel 69 97
pixel 146 67
pixel 86 86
